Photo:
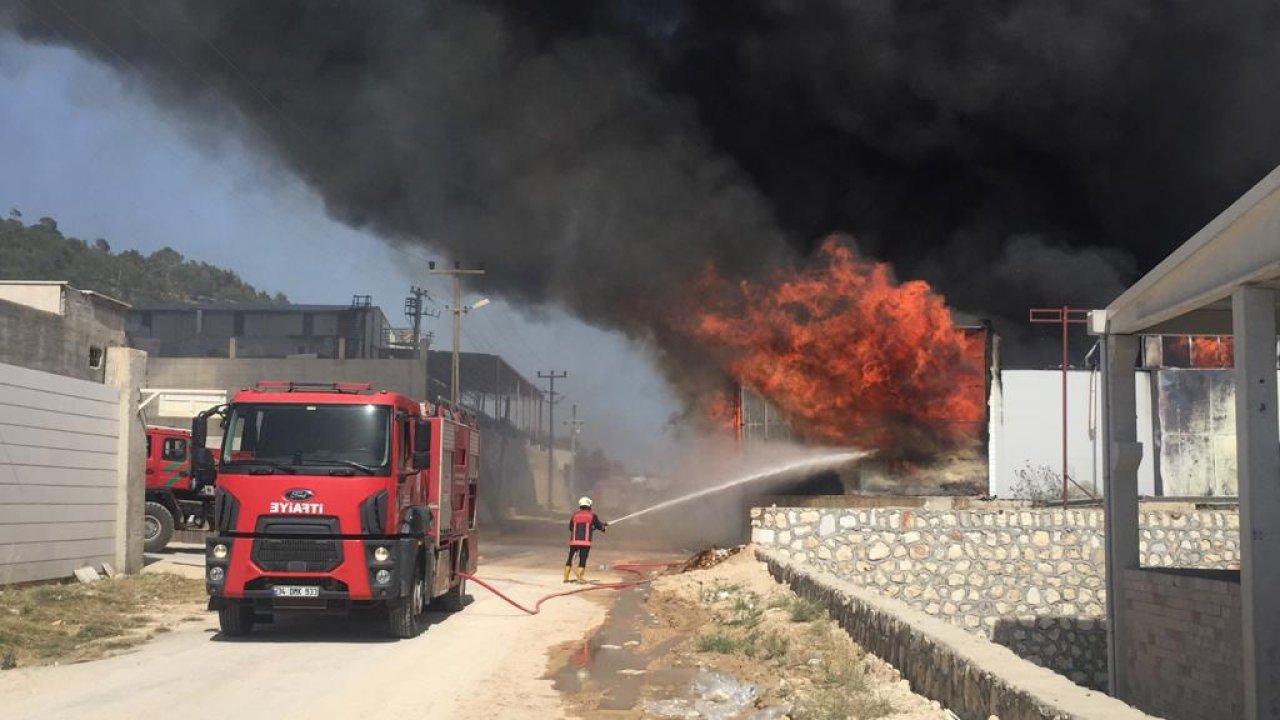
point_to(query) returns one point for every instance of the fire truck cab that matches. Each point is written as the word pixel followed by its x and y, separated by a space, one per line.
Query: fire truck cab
pixel 174 498
pixel 336 496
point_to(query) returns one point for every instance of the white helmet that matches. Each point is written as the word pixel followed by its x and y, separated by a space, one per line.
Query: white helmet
pixel 584 501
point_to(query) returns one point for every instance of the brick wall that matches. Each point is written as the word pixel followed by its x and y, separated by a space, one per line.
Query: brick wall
pixel 1184 656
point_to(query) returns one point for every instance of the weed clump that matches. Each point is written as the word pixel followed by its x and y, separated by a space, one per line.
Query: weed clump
pixel 803 611
pixel 745 611
pixel 719 642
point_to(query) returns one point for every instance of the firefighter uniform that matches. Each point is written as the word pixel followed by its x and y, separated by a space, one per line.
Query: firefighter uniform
pixel 582 525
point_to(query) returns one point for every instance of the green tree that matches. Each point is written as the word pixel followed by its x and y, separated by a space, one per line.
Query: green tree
pixel 41 252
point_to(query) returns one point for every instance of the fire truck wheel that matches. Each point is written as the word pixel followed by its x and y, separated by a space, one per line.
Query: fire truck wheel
pixel 403 613
pixel 157 527
pixel 235 618
pixel 455 599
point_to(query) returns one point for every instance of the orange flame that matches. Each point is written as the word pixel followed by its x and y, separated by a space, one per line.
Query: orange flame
pixel 722 411
pixel 847 353
pixel 1212 351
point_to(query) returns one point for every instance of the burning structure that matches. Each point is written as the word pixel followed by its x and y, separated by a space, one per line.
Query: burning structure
pixel 848 354
pixel 841 353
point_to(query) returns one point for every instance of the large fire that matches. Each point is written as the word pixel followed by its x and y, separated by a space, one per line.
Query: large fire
pixel 847 353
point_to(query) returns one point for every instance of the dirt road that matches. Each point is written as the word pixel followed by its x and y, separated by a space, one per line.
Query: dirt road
pixel 486 661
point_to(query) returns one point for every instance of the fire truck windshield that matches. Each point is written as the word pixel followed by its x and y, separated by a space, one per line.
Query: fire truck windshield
pixel 302 438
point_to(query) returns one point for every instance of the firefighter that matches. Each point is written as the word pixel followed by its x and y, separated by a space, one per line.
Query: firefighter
pixel 582 525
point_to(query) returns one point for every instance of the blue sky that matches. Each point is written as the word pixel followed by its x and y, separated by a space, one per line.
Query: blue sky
pixel 85 146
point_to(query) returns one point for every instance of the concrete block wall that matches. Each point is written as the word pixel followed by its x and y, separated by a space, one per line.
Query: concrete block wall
pixel 1029 579
pixel 60 343
pixel 1184 636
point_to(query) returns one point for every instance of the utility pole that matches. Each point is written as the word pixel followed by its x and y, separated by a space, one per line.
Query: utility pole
pixel 457 309
pixel 575 426
pixel 1065 316
pixel 414 309
pixel 551 376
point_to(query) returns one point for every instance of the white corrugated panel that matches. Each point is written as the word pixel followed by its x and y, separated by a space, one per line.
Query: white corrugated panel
pixel 58 489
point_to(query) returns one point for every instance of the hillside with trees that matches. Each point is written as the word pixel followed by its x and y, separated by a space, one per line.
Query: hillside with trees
pixel 41 252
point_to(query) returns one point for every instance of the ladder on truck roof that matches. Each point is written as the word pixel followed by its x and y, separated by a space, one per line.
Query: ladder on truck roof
pixel 291 386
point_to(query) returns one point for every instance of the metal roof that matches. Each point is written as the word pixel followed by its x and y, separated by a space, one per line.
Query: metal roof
pixel 246 307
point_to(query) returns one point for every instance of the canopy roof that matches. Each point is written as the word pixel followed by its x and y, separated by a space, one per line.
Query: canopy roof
pixel 1190 292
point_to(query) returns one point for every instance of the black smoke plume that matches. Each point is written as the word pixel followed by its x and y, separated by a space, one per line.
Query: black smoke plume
pixel 597 155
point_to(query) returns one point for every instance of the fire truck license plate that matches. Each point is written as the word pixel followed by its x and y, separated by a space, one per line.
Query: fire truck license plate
pixel 296 591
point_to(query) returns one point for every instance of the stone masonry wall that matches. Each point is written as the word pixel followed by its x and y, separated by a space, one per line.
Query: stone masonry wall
pixel 1029 579
pixel 963 672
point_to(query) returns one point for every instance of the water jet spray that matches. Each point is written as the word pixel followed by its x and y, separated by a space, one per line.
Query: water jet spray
pixel 790 467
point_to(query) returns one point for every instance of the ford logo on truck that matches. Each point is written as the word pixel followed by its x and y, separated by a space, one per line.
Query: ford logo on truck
pixel 298 494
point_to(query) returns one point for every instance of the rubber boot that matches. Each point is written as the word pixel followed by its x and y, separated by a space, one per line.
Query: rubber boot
pixel 582 574
pixel 567 569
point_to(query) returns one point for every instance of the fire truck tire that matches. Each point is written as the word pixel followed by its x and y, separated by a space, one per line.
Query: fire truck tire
pixel 455 599
pixel 403 613
pixel 157 527
pixel 235 619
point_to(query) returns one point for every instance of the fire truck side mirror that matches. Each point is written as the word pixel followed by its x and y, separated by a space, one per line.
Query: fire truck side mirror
pixel 200 424
pixel 203 469
pixel 422 437
pixel 421 459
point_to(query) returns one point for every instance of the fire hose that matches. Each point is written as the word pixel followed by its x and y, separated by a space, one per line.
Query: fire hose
pixel 635 568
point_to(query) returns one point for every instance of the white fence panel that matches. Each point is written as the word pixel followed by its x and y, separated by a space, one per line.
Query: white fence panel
pixel 1026 434
pixel 58 487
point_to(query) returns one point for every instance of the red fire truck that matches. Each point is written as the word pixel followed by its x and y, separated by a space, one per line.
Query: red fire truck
pixel 336 496
pixel 175 500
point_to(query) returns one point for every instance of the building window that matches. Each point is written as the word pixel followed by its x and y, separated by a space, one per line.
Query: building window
pixel 96 355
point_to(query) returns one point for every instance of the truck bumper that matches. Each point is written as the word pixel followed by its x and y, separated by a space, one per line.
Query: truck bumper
pixel 358 579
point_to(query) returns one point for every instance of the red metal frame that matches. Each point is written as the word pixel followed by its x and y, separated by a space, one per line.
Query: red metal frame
pixel 1064 316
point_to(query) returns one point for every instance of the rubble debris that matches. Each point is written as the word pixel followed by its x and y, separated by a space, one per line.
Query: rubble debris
pixel 710 557
pixel 87 574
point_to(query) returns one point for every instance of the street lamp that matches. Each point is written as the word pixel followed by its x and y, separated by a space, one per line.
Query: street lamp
pixel 457 308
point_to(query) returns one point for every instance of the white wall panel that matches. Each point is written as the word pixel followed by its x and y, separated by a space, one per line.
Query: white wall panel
pixel 58 487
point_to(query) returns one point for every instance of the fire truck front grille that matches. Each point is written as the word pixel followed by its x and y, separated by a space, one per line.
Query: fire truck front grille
pixel 291 543
pixel 297 554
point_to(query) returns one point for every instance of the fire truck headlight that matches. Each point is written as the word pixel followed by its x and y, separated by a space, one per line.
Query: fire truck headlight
pixel 382 577
pixel 219 551
pixel 381 554
pixel 216 574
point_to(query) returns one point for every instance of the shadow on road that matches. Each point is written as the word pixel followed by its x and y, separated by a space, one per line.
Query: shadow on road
pixel 190 555
pixel 363 626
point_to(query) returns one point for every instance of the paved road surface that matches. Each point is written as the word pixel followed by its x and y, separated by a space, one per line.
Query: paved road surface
pixel 487 661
